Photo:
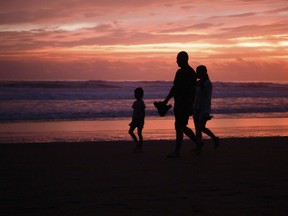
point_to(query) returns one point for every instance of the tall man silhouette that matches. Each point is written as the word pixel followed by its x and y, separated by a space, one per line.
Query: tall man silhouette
pixel 183 91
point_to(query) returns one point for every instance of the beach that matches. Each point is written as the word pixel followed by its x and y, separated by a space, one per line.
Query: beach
pixel 244 176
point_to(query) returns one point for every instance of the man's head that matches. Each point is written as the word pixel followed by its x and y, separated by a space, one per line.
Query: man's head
pixel 182 59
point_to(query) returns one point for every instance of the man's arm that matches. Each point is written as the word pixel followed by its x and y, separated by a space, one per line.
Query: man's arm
pixel 172 90
pixel 170 95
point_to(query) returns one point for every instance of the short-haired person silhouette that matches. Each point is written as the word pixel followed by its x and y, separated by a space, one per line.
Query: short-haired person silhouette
pixel 138 118
pixel 202 106
pixel 183 91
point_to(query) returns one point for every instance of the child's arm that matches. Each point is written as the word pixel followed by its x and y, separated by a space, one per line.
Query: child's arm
pixel 208 94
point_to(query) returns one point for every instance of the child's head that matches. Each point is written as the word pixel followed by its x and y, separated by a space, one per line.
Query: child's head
pixel 201 72
pixel 138 93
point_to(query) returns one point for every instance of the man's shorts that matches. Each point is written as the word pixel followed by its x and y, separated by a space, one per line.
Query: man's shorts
pixel 181 118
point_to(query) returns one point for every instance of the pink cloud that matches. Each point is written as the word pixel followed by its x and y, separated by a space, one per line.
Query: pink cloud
pixel 56 33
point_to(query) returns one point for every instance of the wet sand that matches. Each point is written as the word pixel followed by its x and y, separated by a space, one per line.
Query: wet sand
pixel 116 129
pixel 244 176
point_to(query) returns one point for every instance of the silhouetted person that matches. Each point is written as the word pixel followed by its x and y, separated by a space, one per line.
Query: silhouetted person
pixel 138 117
pixel 202 106
pixel 183 91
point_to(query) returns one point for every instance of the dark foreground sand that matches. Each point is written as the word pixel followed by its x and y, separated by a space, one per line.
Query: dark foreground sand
pixel 245 176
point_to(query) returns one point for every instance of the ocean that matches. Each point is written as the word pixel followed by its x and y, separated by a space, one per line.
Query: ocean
pixel 48 111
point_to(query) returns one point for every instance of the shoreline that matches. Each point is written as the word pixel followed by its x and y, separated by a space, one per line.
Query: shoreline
pixel 186 141
pixel 117 129
pixel 244 176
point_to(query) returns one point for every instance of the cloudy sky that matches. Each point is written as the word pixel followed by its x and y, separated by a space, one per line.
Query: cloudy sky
pixel 238 40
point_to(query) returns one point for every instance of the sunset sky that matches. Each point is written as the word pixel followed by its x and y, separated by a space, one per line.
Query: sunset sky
pixel 239 40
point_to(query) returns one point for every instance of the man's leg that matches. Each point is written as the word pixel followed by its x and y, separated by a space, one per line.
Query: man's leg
pixel 179 138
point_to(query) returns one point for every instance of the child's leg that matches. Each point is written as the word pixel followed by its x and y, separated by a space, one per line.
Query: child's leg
pixel 199 125
pixel 209 133
pixel 199 142
pixel 212 135
pixel 199 135
pixel 139 130
pixel 188 132
pixel 131 132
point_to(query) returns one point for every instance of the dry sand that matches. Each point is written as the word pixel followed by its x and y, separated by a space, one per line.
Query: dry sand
pixel 245 176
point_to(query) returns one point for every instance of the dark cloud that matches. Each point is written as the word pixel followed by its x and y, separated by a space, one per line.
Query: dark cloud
pixel 121 70
pixel 276 11
pixel 243 15
pixel 257 30
pixel 246 70
pixel 79 70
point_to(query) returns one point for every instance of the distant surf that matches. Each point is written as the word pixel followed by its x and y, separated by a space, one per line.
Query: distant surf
pixel 89 100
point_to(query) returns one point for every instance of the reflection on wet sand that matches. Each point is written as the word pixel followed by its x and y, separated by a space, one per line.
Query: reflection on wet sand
pixel 117 129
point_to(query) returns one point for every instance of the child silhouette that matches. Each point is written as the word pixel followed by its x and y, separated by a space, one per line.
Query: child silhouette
pixel 202 106
pixel 138 117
